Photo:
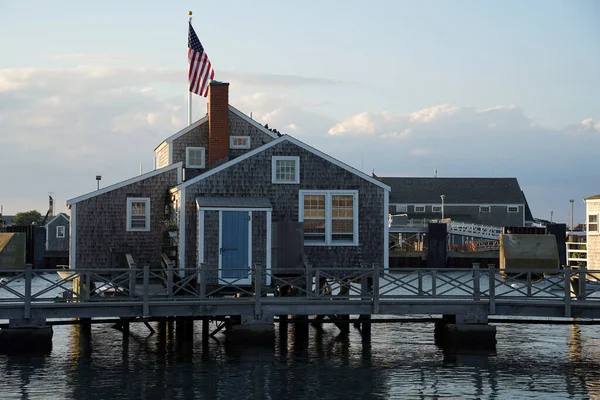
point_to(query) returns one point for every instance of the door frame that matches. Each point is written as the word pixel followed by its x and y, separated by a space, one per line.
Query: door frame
pixel 202 247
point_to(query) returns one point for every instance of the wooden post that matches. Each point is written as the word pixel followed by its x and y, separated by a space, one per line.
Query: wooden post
pixel 476 278
pixel 257 291
pixel 529 284
pixel 88 283
pixel 375 288
pixel 420 282
pixel 27 309
pixel 146 308
pixel 433 283
pixel 492 288
pixel 202 281
pixel 567 270
pixel 582 282
pixel 366 318
pixel 169 281
pixel 309 280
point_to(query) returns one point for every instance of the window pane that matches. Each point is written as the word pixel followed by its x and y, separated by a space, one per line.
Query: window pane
pixel 342 218
pixel 593 218
pixel 285 170
pixel 314 218
pixel 138 214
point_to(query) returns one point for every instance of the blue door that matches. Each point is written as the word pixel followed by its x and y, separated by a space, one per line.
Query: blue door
pixel 234 244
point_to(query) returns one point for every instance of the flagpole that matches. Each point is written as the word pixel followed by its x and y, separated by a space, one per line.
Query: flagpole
pixel 189 92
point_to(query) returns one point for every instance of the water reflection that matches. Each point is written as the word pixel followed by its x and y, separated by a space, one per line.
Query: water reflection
pixel 400 360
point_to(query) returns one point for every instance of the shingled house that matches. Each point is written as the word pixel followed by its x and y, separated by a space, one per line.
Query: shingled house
pixel 592 217
pixel 487 201
pixel 224 182
pixel 57 233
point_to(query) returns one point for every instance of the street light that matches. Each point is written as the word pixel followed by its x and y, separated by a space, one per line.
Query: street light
pixel 551 214
pixel 442 197
pixel 572 226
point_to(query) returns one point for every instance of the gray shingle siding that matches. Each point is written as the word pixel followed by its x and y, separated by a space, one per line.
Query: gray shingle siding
pixel 198 137
pixel 101 223
pixel 252 178
pixel 53 242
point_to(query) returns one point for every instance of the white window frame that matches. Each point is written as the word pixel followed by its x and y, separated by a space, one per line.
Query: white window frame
pixel 436 208
pixel 60 233
pixel 486 209
pixel 424 208
pixel 328 215
pixel 232 144
pixel 187 157
pixel 130 201
pixel 508 209
pixel 597 223
pixel 274 169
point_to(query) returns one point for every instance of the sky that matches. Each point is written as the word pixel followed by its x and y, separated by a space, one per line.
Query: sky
pixel 400 88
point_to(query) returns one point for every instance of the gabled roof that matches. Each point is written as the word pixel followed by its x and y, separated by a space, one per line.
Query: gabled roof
pixel 183 131
pixel 274 143
pixel 128 182
pixel 205 119
pixel 63 215
pixel 455 190
pixel 596 197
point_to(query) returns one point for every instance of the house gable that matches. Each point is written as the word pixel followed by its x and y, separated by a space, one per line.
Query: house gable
pixel 250 176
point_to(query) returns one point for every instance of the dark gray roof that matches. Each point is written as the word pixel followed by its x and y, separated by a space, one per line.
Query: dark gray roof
pixel 456 190
pixel 234 202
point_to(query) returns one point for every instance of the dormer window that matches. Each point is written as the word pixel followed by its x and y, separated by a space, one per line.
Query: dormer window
pixel 194 157
pixel 239 142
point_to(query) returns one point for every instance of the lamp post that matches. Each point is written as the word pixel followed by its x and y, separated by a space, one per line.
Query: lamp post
pixel 551 215
pixel 572 207
pixel 442 197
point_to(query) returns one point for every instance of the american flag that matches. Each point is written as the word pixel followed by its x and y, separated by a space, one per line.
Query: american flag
pixel 201 72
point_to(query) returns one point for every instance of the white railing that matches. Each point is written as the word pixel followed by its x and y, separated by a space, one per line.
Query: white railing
pixel 576 253
pixel 476 230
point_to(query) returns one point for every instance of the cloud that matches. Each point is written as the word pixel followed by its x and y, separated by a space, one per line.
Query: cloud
pixel 93 58
pixel 73 124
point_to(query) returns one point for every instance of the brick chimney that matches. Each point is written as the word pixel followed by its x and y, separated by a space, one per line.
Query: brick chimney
pixel 218 122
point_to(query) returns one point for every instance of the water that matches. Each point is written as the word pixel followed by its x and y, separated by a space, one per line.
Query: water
pixel 401 361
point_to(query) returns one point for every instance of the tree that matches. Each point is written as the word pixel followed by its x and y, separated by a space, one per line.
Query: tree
pixel 27 218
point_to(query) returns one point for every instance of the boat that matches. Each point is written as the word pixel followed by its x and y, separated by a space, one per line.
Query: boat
pixel 65 272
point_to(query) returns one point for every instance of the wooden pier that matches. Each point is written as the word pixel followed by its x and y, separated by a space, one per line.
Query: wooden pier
pixel 465 297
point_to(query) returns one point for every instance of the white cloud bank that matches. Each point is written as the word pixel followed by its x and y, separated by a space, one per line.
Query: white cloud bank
pixel 59 128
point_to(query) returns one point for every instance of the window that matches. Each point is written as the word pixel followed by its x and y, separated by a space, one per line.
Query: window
pixel 239 142
pixel 138 214
pixel 60 232
pixel 286 169
pixel 401 208
pixel 330 217
pixel 487 209
pixel 194 157
pixel 593 220
pixel 512 209
pixel 436 209
pixel 419 209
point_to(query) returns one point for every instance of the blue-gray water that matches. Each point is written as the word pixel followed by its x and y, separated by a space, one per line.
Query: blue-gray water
pixel 401 361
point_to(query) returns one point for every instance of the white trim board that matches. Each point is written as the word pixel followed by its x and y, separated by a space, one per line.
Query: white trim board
pixel 274 143
pixel 125 183
pixel 253 122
